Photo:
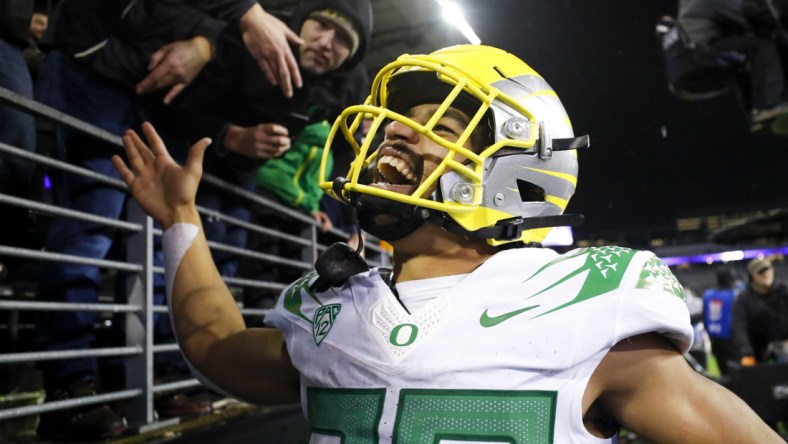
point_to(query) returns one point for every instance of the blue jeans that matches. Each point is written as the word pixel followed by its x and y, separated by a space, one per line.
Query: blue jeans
pixel 17 128
pixel 220 231
pixel 68 85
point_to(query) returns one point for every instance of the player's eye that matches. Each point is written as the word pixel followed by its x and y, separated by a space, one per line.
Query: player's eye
pixel 445 129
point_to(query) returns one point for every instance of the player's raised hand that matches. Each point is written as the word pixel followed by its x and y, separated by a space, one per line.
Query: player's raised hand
pixel 164 189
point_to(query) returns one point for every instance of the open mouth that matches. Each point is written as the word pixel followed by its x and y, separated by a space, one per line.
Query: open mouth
pixel 396 174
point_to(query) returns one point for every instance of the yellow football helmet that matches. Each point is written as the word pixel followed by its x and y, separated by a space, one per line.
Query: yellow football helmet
pixel 514 189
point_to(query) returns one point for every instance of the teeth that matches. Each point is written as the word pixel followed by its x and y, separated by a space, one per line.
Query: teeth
pixel 400 165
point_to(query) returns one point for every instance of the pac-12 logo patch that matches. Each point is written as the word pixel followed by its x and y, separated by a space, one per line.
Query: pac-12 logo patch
pixel 324 320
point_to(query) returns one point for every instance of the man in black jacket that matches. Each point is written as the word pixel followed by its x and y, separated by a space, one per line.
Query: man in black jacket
pixel 248 117
pixel 760 313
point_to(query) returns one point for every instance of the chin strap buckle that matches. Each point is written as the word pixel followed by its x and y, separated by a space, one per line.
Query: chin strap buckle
pixel 509 229
pixel 544 143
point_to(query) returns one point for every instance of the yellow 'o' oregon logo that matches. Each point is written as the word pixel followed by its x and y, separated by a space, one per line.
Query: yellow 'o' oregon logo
pixel 403 335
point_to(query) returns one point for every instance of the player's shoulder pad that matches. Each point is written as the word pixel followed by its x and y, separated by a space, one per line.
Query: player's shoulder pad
pixel 612 267
pixel 296 294
pixel 655 275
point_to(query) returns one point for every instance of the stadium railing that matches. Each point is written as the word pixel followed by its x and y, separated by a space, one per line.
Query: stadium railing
pixel 139 232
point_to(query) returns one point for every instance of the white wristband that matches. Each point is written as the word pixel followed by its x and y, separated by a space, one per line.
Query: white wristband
pixel 175 241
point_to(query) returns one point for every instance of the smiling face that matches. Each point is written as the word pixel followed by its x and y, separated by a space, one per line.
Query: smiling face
pixel 406 158
pixel 325 47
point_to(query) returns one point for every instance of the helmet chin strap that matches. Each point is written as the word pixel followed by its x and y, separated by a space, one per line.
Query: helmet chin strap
pixel 410 217
pixel 370 208
pixel 504 230
pixel 401 217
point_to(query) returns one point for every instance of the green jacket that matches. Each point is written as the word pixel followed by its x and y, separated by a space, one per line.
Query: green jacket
pixel 293 177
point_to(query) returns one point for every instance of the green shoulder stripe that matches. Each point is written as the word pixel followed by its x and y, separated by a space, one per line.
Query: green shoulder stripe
pixel 605 268
pixel 293 296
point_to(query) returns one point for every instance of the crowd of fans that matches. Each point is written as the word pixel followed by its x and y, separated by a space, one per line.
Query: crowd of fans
pixel 264 86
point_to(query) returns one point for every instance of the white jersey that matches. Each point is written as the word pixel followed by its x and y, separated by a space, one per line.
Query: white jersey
pixel 503 356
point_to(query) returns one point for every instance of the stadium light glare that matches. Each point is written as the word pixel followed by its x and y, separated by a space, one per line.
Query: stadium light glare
pixel 725 256
pixel 453 14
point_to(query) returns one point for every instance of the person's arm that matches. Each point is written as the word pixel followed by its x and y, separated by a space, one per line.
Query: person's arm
pixel 262 141
pixel 251 364
pixel 268 40
pixel 645 384
pixel 324 222
pixel 176 64
pixel 266 37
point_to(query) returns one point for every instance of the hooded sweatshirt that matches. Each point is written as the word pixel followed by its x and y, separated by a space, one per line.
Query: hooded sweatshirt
pixel 15 21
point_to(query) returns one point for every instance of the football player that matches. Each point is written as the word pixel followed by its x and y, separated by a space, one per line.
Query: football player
pixel 477 334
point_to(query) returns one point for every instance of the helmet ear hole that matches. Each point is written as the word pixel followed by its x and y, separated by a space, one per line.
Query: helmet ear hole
pixel 530 192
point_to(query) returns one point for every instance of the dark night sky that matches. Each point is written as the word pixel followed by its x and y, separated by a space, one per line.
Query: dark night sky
pixel 603 59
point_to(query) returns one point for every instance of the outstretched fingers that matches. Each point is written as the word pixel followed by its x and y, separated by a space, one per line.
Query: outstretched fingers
pixel 196 154
pixel 135 150
pixel 125 173
pixel 155 142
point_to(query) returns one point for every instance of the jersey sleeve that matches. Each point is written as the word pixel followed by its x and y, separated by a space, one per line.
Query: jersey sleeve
pixel 289 308
pixel 653 301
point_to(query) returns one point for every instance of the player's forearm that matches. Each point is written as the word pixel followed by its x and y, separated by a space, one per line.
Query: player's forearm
pixel 179 214
pixel 203 310
pixel 211 332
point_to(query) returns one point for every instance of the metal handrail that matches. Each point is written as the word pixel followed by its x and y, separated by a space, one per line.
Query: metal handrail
pixel 58 211
pixel 140 269
pixel 16 412
pixel 68 306
pixel 68 258
pixel 13 358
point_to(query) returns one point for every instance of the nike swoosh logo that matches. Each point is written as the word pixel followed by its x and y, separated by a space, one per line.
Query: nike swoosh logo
pixel 486 321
